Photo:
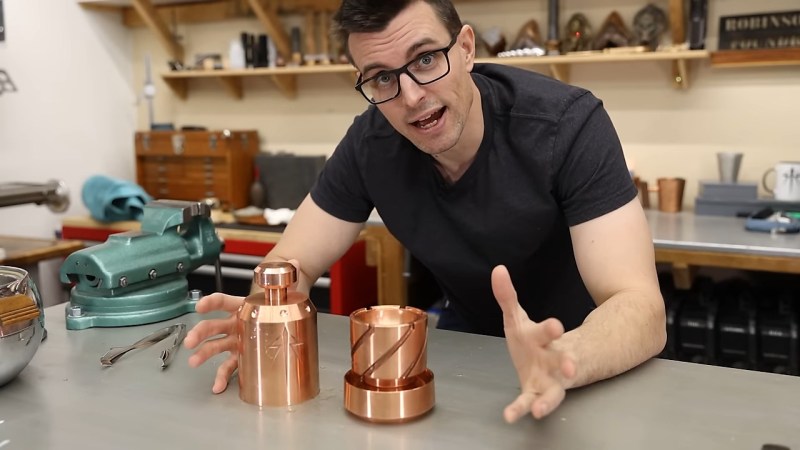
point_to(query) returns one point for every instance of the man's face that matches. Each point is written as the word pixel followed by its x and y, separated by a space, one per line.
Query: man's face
pixel 431 116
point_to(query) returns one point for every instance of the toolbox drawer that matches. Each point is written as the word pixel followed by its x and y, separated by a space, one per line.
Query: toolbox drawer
pixel 193 165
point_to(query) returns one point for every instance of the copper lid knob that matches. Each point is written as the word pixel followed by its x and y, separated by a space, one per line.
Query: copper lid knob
pixel 277 341
pixel 276 278
pixel 275 275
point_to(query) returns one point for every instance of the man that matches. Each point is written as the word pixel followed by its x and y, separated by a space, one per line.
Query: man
pixel 486 174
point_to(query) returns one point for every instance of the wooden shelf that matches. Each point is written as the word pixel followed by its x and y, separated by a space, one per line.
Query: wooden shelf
pixel 559 65
pixel 155 14
pixel 756 58
pixel 286 77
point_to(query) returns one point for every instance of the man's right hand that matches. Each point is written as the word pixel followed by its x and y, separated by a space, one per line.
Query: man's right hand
pixel 223 332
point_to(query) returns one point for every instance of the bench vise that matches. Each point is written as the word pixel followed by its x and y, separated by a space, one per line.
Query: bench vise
pixel 139 277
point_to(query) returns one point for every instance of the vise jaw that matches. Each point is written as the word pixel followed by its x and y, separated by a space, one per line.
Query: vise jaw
pixel 139 277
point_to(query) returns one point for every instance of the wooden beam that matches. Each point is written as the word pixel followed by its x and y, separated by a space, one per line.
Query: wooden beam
pixel 683 275
pixel 179 86
pixel 287 84
pixel 193 12
pixel 272 24
pixel 154 22
pixel 680 74
pixel 298 5
pixel 560 72
pixel 233 85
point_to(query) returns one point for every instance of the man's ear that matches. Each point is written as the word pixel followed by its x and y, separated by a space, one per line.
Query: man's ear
pixel 467 44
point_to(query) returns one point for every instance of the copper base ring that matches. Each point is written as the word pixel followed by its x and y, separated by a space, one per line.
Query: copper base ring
pixel 389 405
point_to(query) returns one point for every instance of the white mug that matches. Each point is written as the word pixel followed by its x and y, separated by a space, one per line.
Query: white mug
pixel 787 181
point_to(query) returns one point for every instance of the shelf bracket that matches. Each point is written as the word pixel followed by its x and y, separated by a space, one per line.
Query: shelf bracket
pixel 680 74
pixel 233 85
pixel 272 24
pixel 560 72
pixel 154 22
pixel 287 84
pixel 351 77
pixel 179 87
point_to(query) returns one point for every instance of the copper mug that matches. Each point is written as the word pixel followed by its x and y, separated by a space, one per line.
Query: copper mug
pixel 670 194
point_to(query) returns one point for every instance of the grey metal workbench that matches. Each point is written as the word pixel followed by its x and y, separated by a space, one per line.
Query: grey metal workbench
pixel 688 231
pixel 65 400
pixel 687 241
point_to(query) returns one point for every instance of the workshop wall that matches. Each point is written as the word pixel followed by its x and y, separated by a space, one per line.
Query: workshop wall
pixel 79 73
pixel 73 113
pixel 664 131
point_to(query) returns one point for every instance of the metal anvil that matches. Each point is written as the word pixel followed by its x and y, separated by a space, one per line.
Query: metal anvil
pixel 139 277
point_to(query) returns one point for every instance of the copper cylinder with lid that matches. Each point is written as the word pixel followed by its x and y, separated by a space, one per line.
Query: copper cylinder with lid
pixel 277 341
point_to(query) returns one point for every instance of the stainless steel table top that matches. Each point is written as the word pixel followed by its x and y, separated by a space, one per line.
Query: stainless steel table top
pixel 65 400
pixel 688 231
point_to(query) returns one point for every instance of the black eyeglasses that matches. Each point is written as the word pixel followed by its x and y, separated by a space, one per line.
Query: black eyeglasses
pixel 424 69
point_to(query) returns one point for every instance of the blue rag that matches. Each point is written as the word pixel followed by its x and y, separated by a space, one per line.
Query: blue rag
pixel 110 199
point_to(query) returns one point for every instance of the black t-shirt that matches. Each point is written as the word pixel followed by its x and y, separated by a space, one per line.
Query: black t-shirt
pixel 550 158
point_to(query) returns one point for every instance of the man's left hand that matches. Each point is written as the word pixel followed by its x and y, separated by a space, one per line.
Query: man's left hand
pixel 543 371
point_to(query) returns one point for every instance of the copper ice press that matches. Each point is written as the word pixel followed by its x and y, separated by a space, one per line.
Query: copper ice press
pixel 277 332
pixel 389 380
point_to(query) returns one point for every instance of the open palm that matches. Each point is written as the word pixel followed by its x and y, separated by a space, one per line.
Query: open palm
pixel 542 370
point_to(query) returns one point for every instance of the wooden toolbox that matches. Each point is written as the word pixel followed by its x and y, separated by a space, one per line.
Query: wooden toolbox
pixel 193 165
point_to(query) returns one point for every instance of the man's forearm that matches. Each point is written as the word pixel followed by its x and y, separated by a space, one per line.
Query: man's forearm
pixel 626 330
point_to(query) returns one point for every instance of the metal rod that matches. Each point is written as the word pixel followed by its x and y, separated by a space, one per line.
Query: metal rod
pixel 552 20
pixel 218 275
pixel 53 194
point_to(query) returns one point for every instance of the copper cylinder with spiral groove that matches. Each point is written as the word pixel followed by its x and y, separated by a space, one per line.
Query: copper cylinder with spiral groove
pixel 389 380
pixel 277 341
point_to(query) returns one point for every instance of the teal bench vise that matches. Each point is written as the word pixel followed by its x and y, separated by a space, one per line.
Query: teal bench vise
pixel 139 277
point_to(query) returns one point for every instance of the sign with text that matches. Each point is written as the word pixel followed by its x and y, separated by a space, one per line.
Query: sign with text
pixel 759 31
pixel 2 24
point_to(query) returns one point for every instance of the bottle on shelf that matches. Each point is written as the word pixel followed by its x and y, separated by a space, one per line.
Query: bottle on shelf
pixel 257 190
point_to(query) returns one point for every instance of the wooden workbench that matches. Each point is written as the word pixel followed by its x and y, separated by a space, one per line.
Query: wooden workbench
pixel 26 253
pixel 22 251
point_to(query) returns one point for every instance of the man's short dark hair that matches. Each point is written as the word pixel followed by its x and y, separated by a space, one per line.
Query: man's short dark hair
pixel 372 16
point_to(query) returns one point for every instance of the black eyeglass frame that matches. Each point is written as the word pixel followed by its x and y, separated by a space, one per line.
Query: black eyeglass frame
pixel 404 70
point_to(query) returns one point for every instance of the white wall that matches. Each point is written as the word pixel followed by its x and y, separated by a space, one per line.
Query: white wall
pixel 74 113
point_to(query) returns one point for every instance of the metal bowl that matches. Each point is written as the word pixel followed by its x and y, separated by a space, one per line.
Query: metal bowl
pixel 21 321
